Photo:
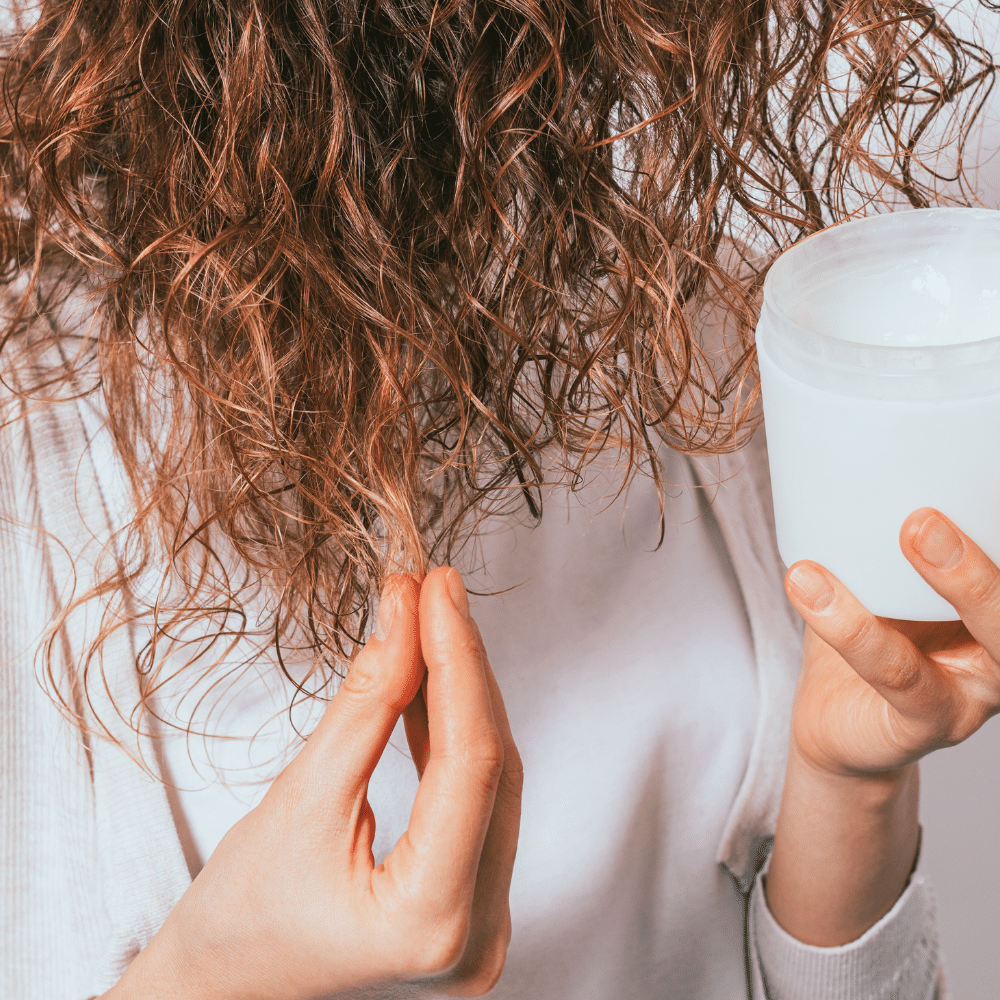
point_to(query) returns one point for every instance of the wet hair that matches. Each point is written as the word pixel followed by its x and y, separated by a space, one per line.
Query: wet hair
pixel 355 266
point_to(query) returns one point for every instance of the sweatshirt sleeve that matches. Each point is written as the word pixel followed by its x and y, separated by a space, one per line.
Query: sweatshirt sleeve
pixel 897 959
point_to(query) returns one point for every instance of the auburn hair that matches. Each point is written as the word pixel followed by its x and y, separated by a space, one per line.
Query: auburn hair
pixel 356 265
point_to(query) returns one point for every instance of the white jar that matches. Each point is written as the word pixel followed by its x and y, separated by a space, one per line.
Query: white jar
pixel 879 350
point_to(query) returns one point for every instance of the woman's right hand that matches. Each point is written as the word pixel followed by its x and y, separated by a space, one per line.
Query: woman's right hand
pixel 291 904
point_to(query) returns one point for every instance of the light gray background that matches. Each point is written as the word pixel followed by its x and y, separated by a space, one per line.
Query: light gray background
pixel 960 802
pixel 960 812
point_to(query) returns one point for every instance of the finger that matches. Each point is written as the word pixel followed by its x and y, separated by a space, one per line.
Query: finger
pixel 958 569
pixel 441 849
pixel 342 752
pixel 417 735
pixel 913 685
pixel 486 951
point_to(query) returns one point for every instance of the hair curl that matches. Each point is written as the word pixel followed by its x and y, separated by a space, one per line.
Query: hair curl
pixel 358 264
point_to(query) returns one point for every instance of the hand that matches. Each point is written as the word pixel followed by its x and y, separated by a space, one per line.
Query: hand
pixel 291 905
pixel 876 694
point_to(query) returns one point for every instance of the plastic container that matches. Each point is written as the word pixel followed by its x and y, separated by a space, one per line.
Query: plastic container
pixel 879 349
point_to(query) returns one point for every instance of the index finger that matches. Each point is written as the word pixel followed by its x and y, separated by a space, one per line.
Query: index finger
pixel 340 755
pixel 887 660
pixel 440 851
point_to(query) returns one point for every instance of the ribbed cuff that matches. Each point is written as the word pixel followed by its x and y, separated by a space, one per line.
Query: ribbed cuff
pixel 896 959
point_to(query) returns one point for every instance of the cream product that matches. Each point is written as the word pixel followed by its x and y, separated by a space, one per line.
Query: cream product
pixel 879 350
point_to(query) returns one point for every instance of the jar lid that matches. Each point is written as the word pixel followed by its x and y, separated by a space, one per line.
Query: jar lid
pixel 903 305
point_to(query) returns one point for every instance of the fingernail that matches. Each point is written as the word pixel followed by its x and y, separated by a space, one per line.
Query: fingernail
pixel 386 612
pixel 939 544
pixel 811 587
pixel 458 595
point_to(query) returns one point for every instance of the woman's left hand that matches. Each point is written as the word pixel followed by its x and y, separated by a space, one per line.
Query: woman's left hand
pixel 876 694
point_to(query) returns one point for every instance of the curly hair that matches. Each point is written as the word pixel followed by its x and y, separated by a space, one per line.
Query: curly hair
pixel 357 265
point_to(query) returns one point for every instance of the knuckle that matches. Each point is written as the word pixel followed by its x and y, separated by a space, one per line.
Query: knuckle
pixel 857 634
pixel 492 963
pixel 364 682
pixel 957 731
pixel 900 674
pixel 359 680
pixel 479 973
pixel 984 589
pixel 442 948
pixel 488 969
pixel 511 783
pixel 469 645
pixel 961 725
pixel 447 647
pixel 513 771
pixel 485 756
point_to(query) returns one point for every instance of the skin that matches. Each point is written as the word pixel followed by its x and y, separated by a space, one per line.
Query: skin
pixel 876 695
pixel 291 906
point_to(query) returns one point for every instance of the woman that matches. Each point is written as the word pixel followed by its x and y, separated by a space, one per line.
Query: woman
pixel 307 298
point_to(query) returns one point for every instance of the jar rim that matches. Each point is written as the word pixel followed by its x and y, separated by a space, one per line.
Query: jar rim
pixel 887 220
pixel 857 368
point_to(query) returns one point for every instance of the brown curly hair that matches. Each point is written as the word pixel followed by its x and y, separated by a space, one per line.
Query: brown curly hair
pixel 357 264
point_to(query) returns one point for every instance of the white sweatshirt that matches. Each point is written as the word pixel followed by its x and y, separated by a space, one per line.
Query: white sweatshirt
pixel 649 691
